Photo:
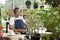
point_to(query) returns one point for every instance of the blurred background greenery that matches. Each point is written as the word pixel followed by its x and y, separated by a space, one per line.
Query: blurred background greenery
pixel 36 16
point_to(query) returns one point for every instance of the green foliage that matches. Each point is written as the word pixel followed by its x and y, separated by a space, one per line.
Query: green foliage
pixel 48 37
pixel 55 2
pixel 50 18
pixel 0 22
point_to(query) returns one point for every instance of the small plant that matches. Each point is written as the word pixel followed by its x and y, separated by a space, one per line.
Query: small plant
pixel 35 5
pixel 28 3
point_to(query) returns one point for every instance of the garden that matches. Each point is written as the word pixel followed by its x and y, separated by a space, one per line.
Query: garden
pixel 37 18
pixel 49 19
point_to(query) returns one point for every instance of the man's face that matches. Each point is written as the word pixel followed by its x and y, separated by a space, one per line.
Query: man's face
pixel 17 12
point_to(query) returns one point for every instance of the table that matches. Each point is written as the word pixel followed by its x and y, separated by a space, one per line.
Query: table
pixel 14 37
pixel 17 36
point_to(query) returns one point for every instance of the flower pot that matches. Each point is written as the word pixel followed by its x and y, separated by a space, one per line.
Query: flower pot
pixel 1 28
pixel 28 3
pixel 1 32
pixel 36 37
pixel 28 6
pixel 35 5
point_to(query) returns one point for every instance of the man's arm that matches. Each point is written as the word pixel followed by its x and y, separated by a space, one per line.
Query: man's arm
pixel 25 25
pixel 11 27
pixel 16 30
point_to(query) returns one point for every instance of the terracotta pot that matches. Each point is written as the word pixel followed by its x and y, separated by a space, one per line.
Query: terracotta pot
pixel 1 28
pixel 1 32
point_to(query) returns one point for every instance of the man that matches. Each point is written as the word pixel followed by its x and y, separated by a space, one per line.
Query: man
pixel 17 23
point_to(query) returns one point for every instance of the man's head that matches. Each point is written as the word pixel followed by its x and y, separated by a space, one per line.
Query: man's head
pixel 16 11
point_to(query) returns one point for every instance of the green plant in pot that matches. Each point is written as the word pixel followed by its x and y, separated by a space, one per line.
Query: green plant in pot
pixel 51 18
pixel 28 3
pixel 35 36
pixel 35 5
pixel 51 21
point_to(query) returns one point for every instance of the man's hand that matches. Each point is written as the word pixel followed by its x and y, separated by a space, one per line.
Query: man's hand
pixel 20 30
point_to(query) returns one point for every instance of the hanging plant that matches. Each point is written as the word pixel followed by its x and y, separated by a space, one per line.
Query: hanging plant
pixel 28 3
pixel 35 5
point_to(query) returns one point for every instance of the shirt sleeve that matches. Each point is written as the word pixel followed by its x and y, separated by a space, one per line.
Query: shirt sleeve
pixel 24 21
pixel 11 22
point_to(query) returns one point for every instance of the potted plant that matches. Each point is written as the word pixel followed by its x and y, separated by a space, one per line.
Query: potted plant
pixel 1 33
pixel 51 22
pixel 35 5
pixel 28 3
pixel 50 18
pixel 35 36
